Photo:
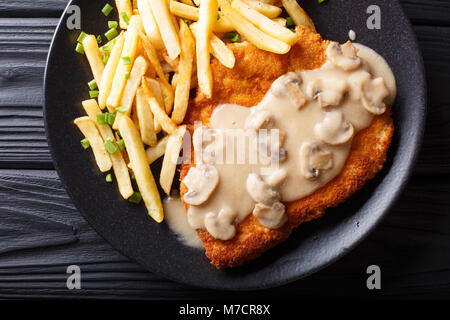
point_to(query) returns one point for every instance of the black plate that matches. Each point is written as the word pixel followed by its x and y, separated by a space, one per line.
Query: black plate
pixel 313 245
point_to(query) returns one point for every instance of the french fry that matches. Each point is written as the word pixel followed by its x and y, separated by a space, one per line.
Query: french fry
pixel 280 21
pixel 268 10
pixel 169 164
pixel 184 73
pixel 191 13
pixel 298 15
pixel 90 131
pixel 196 2
pixel 149 22
pixel 166 27
pixel 110 69
pixel 188 2
pixel 118 163
pixel 137 72
pixel 263 23
pixel 155 88
pixel 154 60
pixel 94 57
pixel 156 152
pixel 218 49
pixel 145 117
pixel 167 94
pixel 207 16
pixel 158 112
pixel 141 168
pixel 253 34
pixel 124 6
pixel 128 51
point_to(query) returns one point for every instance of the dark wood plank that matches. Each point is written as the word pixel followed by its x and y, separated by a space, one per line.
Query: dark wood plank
pixel 31 8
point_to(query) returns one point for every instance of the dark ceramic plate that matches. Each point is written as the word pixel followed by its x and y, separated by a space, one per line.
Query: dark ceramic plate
pixel 313 245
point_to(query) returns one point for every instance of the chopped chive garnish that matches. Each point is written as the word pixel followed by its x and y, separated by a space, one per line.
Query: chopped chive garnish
pixel 99 39
pixel 108 47
pixel 79 48
pixel 85 143
pixel 93 93
pixel 320 1
pixel 110 117
pixel 92 84
pixel 290 23
pixel 121 144
pixel 111 34
pixel 126 60
pixel 108 177
pixel 81 37
pixel 118 133
pixel 218 16
pixel 124 17
pixel 107 9
pixel 105 58
pixel 127 75
pixel 110 146
pixel 188 22
pixel 135 198
pixel 233 36
pixel 133 177
pixel 113 24
pixel 101 118
pixel 122 109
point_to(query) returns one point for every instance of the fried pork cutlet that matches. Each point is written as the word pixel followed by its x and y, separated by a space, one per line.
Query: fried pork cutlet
pixel 246 84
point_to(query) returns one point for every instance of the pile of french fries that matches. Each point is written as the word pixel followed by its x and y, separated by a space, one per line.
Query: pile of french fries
pixel 145 74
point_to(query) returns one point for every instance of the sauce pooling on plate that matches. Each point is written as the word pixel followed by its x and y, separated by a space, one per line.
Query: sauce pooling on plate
pixel 296 140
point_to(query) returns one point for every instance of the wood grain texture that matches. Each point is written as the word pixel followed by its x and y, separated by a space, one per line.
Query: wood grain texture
pixel 411 245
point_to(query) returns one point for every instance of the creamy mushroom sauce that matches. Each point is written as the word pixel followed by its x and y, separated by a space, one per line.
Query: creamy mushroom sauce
pixel 317 113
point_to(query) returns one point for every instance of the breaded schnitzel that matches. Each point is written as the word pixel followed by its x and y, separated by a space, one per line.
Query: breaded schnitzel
pixel 246 84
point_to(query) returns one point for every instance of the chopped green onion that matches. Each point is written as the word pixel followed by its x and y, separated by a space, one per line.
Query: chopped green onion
pixel 108 178
pixel 233 36
pixel 85 143
pixel 124 17
pixel 122 109
pixel 135 198
pixel 101 118
pixel 107 9
pixel 110 117
pixel 290 23
pixel 81 37
pixel 121 144
pixel 118 133
pixel 79 48
pixel 93 93
pixel 126 60
pixel 99 39
pixel 188 22
pixel 320 1
pixel 127 75
pixel 218 16
pixel 92 84
pixel 108 47
pixel 111 34
pixel 105 58
pixel 110 146
pixel 113 24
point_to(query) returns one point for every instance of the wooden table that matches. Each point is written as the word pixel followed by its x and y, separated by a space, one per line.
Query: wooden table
pixel 41 232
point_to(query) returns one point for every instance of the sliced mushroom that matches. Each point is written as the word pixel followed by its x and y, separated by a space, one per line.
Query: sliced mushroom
pixel 259 119
pixel 259 191
pixel 221 226
pixel 201 182
pixel 374 93
pixel 329 92
pixel 313 159
pixel 276 178
pixel 333 129
pixel 344 57
pixel 288 86
pixel 272 216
